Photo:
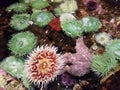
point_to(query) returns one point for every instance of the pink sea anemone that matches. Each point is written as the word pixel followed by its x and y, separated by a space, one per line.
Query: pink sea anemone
pixel 43 65
pixel 78 64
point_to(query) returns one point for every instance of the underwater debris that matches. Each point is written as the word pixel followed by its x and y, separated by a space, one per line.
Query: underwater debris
pixel 8 82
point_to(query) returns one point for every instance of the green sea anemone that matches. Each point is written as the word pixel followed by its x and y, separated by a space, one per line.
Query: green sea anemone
pixel 69 6
pixel 20 21
pixel 39 4
pixel 22 43
pixel 103 64
pixel 26 1
pixel 17 8
pixel 27 82
pixel 58 1
pixel 42 18
pixel 66 16
pixel 103 38
pixel 72 28
pixel 58 11
pixel 90 23
pixel 114 48
pixel 13 65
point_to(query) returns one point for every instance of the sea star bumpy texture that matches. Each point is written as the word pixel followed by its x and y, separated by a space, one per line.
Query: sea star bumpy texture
pixel 43 65
pixel 22 43
pixel 80 61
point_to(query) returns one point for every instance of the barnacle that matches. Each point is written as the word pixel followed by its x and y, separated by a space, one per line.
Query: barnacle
pixel 90 23
pixel 42 18
pixel 13 65
pixel 114 48
pixel 20 21
pixel 22 43
pixel 17 8
pixel 39 4
pixel 103 64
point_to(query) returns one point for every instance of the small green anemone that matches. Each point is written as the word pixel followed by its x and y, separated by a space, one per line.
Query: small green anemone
pixel 69 6
pixel 22 43
pixel 72 28
pixel 42 18
pixel 20 21
pixel 90 23
pixel 58 11
pixel 27 82
pixel 26 1
pixel 14 66
pixel 39 4
pixel 58 1
pixel 103 64
pixel 114 48
pixel 17 8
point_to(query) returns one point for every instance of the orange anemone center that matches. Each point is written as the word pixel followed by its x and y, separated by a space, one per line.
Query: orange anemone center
pixel 43 65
